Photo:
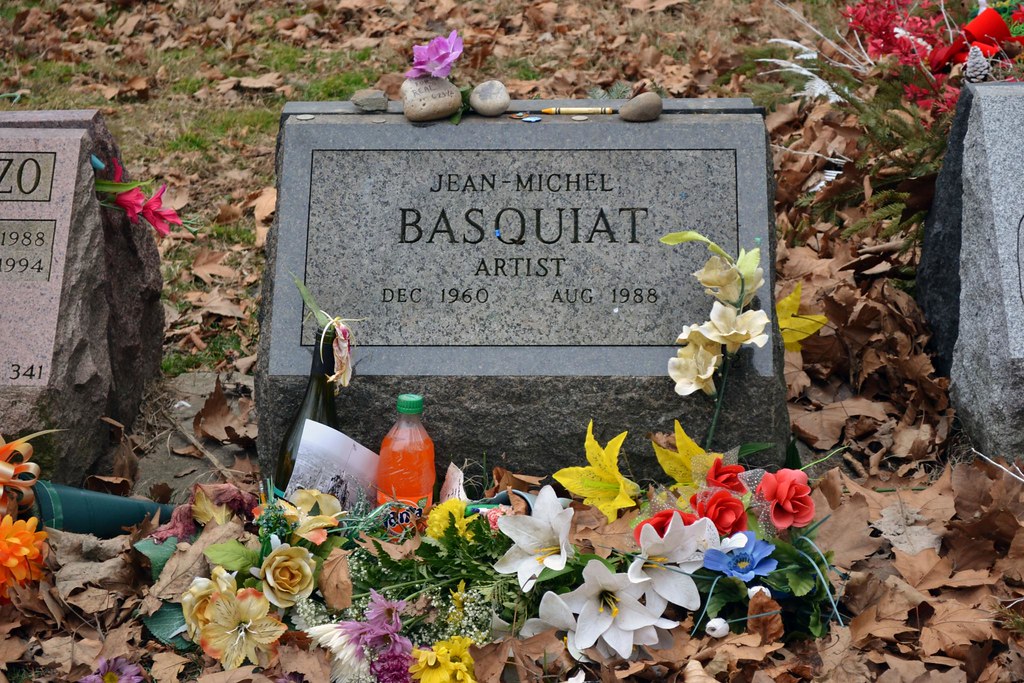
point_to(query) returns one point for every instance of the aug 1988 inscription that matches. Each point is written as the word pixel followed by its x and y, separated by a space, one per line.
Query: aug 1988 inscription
pixel 452 247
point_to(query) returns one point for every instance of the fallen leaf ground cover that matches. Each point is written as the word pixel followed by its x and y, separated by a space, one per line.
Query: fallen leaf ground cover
pixel 193 92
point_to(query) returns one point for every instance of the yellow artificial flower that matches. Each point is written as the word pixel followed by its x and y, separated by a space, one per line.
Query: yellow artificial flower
pixel 795 328
pixel 313 513
pixel 448 661
pixel 694 367
pixel 203 509
pixel 287 575
pixel 732 328
pixel 687 465
pixel 197 598
pixel 729 282
pixel 600 484
pixel 240 629
pixel 442 515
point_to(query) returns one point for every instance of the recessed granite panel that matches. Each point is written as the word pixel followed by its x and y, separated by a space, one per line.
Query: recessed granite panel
pixel 514 269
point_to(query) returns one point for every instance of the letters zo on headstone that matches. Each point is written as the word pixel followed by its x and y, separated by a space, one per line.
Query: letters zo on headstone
pixel 507 254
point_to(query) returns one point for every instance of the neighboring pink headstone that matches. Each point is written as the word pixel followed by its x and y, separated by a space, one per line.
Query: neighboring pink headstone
pixel 80 314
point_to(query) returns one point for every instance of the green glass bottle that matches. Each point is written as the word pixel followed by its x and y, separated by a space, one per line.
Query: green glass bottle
pixel 317 405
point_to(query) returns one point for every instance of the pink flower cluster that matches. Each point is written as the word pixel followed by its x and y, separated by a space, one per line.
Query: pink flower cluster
pixel 135 204
pixel 892 29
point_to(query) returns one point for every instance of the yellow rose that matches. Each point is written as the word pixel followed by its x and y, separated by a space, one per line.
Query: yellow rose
pixel 287 575
pixel 197 598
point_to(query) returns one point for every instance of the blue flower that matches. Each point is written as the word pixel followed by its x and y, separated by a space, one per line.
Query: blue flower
pixel 753 559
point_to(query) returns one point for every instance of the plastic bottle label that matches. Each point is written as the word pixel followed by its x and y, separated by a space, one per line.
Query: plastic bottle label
pixel 402 516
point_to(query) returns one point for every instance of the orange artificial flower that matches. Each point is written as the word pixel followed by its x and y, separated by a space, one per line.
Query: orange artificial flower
pixel 21 552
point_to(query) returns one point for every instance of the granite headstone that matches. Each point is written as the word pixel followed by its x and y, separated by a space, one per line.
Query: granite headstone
pixel 511 272
pixel 984 245
pixel 79 292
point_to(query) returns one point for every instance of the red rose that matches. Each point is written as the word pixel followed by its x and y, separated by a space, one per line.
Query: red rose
pixel 789 498
pixel 659 521
pixel 725 477
pixel 723 509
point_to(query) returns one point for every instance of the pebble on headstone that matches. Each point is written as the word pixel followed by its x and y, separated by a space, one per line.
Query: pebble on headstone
pixel 490 98
pixel 644 107
pixel 82 319
pixel 429 98
pixel 513 274
pixel 370 100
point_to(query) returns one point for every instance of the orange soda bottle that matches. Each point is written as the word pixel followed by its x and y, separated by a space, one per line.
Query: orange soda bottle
pixel 405 472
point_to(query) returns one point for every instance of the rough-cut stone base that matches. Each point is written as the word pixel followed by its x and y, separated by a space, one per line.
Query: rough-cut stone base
pixel 109 336
pixel 538 424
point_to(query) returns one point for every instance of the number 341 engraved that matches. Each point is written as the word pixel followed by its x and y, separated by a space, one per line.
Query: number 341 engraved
pixel 18 371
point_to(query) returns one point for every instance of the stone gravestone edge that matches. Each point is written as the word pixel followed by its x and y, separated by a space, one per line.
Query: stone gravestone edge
pixel 523 406
pixel 103 324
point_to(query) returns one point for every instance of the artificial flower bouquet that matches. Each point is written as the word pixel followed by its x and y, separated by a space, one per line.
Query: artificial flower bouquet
pixel 613 577
pixel 129 197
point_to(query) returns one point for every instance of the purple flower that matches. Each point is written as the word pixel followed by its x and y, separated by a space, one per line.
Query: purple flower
pixel 117 670
pixel 385 615
pixel 392 667
pixel 753 559
pixel 436 57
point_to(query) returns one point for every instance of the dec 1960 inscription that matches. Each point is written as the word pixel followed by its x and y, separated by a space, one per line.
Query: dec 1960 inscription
pixel 483 247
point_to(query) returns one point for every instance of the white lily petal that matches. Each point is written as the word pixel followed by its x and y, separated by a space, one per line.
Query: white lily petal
pixel 632 615
pixel 620 641
pixel 592 624
pixel 677 588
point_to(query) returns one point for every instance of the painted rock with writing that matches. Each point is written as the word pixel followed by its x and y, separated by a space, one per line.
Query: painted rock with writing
pixel 490 98
pixel 644 107
pixel 429 98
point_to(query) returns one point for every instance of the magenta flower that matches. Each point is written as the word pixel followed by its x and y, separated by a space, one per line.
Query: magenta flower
pixel 385 615
pixel 117 670
pixel 158 215
pixel 392 667
pixel 132 200
pixel 436 57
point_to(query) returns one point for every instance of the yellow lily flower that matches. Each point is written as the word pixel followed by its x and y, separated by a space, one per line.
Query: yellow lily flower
pixel 688 464
pixel 600 484
pixel 240 629
pixel 795 328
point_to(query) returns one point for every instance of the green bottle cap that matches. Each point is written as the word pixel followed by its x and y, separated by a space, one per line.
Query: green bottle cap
pixel 410 404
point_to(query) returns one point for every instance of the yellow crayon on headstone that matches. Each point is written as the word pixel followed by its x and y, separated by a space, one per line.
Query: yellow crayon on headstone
pixel 578 110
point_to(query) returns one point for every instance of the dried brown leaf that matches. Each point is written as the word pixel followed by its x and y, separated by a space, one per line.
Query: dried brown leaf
pixel 335 583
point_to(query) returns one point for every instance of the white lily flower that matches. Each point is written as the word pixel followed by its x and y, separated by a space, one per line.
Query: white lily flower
pixel 664 565
pixel 540 540
pixel 554 613
pixel 610 613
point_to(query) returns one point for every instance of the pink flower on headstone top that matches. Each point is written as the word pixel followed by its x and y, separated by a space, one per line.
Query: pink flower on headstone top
pixel 132 200
pixel 436 57
pixel 158 215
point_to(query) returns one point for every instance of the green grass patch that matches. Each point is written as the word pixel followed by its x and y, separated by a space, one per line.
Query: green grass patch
pixel 189 141
pixel 339 86
pixel 286 58
pixel 176 362
pixel 233 233
pixel 521 69
pixel 187 85
pixel 362 55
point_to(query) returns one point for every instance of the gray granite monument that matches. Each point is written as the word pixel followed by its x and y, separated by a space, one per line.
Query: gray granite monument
pixel 971 283
pixel 512 273
pixel 79 293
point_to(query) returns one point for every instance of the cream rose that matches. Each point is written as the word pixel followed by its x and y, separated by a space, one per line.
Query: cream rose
pixel 287 575
pixel 197 598
pixel 693 369
pixel 735 329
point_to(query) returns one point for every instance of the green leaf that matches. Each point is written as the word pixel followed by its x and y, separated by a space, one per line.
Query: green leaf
pixel 157 553
pixel 748 449
pixel 792 456
pixel 727 590
pixel 801 582
pixel 167 624
pixel 322 319
pixel 694 236
pixel 110 187
pixel 232 555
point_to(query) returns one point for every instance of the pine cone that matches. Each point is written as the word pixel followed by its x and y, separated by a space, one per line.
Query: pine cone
pixel 977 69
